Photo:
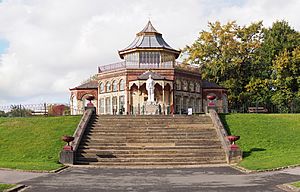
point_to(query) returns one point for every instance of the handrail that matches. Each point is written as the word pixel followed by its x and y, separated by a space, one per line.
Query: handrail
pixel 81 128
pixel 231 156
pixel 67 156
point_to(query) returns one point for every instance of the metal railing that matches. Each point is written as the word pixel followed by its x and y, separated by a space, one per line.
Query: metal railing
pixel 24 110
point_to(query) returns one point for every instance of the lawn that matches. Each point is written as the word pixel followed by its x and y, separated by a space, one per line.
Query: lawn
pixel 296 184
pixel 34 143
pixel 6 186
pixel 267 140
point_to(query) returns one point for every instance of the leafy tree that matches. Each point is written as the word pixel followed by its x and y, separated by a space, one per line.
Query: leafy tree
pixel 2 114
pixel 19 111
pixel 225 55
pixel 286 79
pixel 278 43
pixel 277 38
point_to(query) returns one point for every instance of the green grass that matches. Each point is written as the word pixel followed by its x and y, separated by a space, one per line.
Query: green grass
pixel 267 140
pixel 6 186
pixel 296 184
pixel 34 143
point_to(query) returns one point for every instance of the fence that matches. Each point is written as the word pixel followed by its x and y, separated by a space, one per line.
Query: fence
pixel 23 110
pixel 293 107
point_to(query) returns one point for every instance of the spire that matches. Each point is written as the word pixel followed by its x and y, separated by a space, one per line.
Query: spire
pixel 148 29
pixel 148 39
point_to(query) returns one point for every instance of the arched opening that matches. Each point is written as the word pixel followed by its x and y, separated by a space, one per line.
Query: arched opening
pixel 101 87
pixel 115 86
pixel 108 86
pixel 122 85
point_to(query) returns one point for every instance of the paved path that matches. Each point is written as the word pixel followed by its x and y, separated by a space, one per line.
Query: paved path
pixel 13 176
pixel 161 180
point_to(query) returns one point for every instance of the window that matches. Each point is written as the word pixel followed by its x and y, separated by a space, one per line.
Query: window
pixel 197 87
pixel 178 85
pixel 115 86
pixel 101 103
pixel 108 87
pixel 149 57
pixel 177 104
pixel 114 105
pixel 122 104
pixel 192 87
pixel 107 105
pixel 101 88
pixel 122 85
pixel 185 85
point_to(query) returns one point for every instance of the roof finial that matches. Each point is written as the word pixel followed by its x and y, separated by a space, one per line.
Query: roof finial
pixel 149 17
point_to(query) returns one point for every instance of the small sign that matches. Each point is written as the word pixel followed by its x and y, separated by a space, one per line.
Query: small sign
pixel 190 111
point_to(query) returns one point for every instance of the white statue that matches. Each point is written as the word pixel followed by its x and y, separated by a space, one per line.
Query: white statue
pixel 150 89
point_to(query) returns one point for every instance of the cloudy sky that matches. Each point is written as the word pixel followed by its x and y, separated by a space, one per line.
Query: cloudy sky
pixel 49 46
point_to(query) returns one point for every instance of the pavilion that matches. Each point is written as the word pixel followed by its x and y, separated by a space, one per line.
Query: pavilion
pixel 120 88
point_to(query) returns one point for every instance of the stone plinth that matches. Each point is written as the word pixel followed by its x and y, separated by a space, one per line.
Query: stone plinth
pixel 151 108
pixel 67 157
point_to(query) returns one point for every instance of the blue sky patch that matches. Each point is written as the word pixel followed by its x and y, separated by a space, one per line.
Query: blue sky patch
pixel 3 45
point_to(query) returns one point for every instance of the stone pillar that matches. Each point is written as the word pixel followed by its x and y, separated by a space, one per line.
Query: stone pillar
pixel 104 105
pixel 181 104
pixel 172 106
pixel 67 157
pixel 164 110
pixel 111 105
pixel 139 100
pixel 118 104
pixel 128 102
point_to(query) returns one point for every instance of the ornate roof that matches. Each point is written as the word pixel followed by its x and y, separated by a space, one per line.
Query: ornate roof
pixel 88 85
pixel 154 76
pixel 148 38
pixel 207 84
pixel 148 28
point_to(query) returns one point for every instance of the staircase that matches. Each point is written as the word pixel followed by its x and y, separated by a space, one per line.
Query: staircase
pixel 150 141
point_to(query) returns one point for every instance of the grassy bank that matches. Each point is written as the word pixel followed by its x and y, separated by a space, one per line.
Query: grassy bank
pixel 6 186
pixel 33 143
pixel 296 184
pixel 268 140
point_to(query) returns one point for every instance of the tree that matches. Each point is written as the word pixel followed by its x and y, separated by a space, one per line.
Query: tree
pixel 286 79
pixel 277 38
pixel 2 114
pixel 225 54
pixel 19 111
pixel 279 41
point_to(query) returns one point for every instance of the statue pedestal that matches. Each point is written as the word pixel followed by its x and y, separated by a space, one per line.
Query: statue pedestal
pixel 151 108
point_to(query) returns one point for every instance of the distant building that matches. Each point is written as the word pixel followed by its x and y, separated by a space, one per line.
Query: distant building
pixel 120 88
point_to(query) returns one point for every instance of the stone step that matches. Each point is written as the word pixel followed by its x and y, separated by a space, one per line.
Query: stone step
pixel 164 144
pixel 150 141
pixel 134 117
pixel 135 126
pixel 97 147
pixel 150 159
pixel 157 124
pixel 150 134
pixel 138 154
pixel 153 155
pixel 151 164
pixel 130 137
pixel 154 121
pixel 151 121
pixel 150 130
pixel 152 151
pixel 151 144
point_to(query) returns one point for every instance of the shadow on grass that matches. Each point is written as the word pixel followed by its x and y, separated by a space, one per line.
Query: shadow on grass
pixel 248 153
pixel 223 119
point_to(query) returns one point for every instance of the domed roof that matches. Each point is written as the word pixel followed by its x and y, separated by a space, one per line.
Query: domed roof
pixel 149 39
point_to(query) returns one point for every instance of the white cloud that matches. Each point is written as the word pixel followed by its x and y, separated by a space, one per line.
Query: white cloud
pixel 54 45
